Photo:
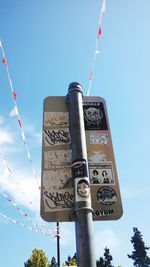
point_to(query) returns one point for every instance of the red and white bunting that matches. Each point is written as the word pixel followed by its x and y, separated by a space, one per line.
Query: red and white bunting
pixel 97 51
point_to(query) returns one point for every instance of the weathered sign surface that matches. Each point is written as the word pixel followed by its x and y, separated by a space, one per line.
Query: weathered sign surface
pixel 57 198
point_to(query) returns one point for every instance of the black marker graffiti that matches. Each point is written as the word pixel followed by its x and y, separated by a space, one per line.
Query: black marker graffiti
pixel 59 200
pixel 57 136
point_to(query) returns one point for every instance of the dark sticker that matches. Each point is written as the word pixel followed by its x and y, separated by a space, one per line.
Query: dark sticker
pixel 83 189
pixel 94 116
pixel 106 195
pixel 79 168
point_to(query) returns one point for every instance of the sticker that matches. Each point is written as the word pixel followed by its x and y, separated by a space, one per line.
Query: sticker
pixel 60 199
pixel 57 159
pixel 58 179
pixel 96 157
pixel 56 118
pixel 82 189
pixel 106 195
pixel 99 139
pixel 56 136
pixel 101 173
pixel 94 116
pixel 79 168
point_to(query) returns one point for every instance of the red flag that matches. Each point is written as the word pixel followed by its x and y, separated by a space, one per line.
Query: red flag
pixel 4 61
pixel 99 32
pixel 19 123
pixel 14 95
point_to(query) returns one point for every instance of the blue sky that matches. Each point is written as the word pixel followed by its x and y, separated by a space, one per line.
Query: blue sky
pixel 49 44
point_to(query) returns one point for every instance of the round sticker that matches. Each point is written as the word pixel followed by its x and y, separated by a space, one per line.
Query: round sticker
pixel 106 195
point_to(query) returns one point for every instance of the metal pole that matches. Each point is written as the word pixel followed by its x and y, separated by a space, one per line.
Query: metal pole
pixel 81 183
pixel 58 245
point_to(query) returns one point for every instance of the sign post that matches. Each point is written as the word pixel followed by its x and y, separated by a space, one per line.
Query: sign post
pixel 80 175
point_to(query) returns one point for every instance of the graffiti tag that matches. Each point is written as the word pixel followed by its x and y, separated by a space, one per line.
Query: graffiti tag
pixel 59 136
pixel 59 200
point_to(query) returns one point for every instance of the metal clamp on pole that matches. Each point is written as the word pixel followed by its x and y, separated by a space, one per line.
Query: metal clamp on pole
pixel 80 174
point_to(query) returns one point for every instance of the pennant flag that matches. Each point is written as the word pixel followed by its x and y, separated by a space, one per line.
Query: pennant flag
pixel 14 95
pixel 104 6
pixel 20 123
pixel 4 61
pixel 99 32
pixel 90 78
pixel 28 154
pixel 23 137
pixel 14 112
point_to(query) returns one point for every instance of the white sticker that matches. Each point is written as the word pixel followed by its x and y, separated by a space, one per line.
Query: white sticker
pixel 57 159
pixel 99 139
pixel 101 173
pixel 82 189
pixel 56 118
pixel 96 157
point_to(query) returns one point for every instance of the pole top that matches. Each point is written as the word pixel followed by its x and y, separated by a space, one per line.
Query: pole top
pixel 75 86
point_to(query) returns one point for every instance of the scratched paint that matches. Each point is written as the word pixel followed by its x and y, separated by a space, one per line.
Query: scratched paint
pixel 58 178
pixel 57 159
pixel 56 118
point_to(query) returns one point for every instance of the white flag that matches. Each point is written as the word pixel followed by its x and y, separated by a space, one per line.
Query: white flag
pixel 14 112
pixel 103 6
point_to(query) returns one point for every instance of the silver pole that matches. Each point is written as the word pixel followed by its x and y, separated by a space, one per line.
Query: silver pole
pixel 81 183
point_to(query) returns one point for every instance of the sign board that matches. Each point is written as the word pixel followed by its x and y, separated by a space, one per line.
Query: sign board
pixel 57 198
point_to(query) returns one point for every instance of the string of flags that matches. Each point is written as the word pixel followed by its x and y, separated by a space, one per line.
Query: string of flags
pixel 15 112
pixel 49 233
pixel 10 172
pixel 96 51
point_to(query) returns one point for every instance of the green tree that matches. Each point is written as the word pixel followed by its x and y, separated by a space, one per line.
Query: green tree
pixel 37 259
pixel 71 261
pixel 100 262
pixel 139 255
pixel 106 260
pixel 53 262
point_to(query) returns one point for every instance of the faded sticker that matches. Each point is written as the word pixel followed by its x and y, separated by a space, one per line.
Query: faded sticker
pixel 82 188
pixel 60 199
pixel 99 139
pixel 56 118
pixel 106 195
pixel 56 136
pixel 101 173
pixel 79 168
pixel 57 179
pixel 96 157
pixel 94 116
pixel 57 159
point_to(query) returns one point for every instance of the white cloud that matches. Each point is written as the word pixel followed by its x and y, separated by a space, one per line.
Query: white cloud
pixel 1 120
pixel 5 137
pixel 67 235
pixel 106 238
pixel 135 192
pixel 22 188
